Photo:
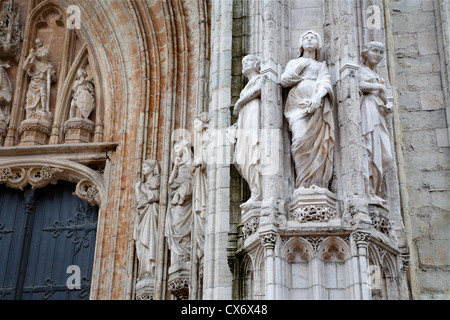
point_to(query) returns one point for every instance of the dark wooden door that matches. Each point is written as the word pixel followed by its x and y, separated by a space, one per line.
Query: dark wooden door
pixel 46 237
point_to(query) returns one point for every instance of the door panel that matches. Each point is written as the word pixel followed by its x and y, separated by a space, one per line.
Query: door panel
pixel 12 219
pixel 60 232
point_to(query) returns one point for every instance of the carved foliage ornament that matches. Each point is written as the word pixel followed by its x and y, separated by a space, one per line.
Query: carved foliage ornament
pixel 179 287
pixel 40 177
pixel 320 213
pixel 10 30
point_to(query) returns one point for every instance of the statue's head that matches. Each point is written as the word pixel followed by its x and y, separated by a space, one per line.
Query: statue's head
pixel 309 41
pixel 373 53
pixel 250 63
pixel 43 53
pixel 182 149
pixel 201 121
pixel 39 43
pixel 81 73
pixel 150 166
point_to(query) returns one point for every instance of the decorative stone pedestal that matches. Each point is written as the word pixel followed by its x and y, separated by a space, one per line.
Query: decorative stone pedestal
pixel 379 216
pixel 145 288
pixel 250 218
pixel 178 284
pixel 312 205
pixel 78 130
pixel 36 130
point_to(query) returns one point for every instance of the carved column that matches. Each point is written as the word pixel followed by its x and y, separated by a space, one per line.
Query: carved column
pixel 361 238
pixel 217 281
pixel 268 241
pixel 271 140
pixel 348 108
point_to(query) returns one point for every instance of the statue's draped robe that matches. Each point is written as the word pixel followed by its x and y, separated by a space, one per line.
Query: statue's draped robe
pixel 375 134
pixel 312 134
pixel 146 230
pixel 200 189
pixel 179 216
pixel 247 149
pixel 38 85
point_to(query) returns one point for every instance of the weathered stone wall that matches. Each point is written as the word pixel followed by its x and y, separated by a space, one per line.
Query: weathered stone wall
pixel 420 62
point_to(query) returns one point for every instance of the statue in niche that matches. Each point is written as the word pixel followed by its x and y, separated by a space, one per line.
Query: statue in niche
pixel 374 108
pixel 248 110
pixel 199 191
pixel 309 114
pixel 179 215
pixel 146 230
pixel 83 101
pixel 42 74
pixel 5 94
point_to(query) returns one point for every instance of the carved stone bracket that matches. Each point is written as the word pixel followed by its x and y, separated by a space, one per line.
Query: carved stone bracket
pixel 88 191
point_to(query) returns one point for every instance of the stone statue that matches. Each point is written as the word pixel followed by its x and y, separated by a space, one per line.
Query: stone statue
pixel 146 230
pixel 179 215
pixel 309 114
pixel 199 191
pixel 83 101
pixel 374 108
pixel 42 74
pixel 5 94
pixel 248 110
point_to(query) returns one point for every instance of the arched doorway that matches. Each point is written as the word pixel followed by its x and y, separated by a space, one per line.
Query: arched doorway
pixel 47 243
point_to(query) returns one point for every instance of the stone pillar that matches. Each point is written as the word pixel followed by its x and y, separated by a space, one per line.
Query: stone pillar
pixel 345 59
pixel 217 280
pixel 361 238
pixel 271 140
pixel 268 240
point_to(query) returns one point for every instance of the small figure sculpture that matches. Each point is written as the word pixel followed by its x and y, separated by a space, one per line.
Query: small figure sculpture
pixel 309 114
pixel 179 216
pixel 199 181
pixel 5 94
pixel 374 108
pixel 83 101
pixel 146 231
pixel 42 74
pixel 248 109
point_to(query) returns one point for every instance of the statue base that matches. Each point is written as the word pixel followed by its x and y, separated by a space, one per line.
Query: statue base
pixel 145 288
pixel 36 130
pixel 179 283
pixel 251 213
pixel 78 130
pixel 312 205
pixel 379 217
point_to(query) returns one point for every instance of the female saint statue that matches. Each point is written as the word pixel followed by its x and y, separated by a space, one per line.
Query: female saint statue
pixel 309 114
pixel 248 109
pixel 179 215
pixel 374 108
pixel 199 191
pixel 146 230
